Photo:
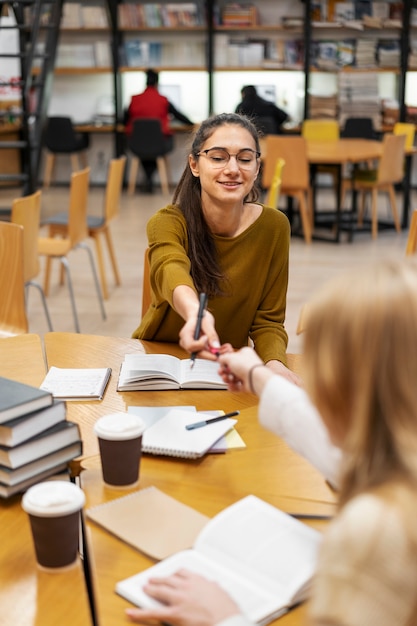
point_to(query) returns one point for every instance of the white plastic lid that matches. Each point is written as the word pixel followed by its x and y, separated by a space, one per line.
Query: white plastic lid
pixel 119 426
pixel 53 498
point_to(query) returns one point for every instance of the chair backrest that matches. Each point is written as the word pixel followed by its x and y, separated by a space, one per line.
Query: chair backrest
pixel 146 286
pixel 147 140
pixel 411 247
pixel 391 163
pixel 114 188
pixel 77 213
pixel 293 150
pixel 13 319
pixel 26 211
pixel 320 130
pixel 359 128
pixel 60 135
pixel 274 189
pixel 402 128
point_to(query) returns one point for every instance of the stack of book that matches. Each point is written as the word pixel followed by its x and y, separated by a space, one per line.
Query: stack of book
pixel 36 439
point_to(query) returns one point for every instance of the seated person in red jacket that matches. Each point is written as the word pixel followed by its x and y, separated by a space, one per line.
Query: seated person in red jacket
pixel 150 103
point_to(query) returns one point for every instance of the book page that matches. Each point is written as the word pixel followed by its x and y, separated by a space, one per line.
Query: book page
pixel 137 367
pixel 274 550
pixel 73 383
pixel 203 372
pixel 253 602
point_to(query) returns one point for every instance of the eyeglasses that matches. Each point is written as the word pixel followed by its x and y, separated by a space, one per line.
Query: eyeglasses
pixel 220 157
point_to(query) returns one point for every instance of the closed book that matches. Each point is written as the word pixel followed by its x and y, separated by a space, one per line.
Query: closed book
pixel 25 427
pixel 10 476
pixel 60 435
pixel 163 371
pixel 170 437
pixel 9 490
pixel 17 399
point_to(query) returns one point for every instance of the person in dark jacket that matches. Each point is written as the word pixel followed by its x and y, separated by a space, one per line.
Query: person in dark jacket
pixel 266 115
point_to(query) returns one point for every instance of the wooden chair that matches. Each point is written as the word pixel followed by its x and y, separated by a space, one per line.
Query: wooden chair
pixel 275 187
pixel 389 172
pixel 402 128
pixel 411 247
pixel 98 226
pixel 13 319
pixel 147 142
pixel 26 211
pixel 295 175
pixel 58 248
pixel 61 138
pixel 322 130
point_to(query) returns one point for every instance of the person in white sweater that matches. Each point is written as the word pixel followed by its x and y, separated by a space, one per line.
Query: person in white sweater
pixel 360 364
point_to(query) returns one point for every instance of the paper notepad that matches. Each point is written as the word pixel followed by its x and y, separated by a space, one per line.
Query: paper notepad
pixel 150 521
pixel 168 436
pixel 77 383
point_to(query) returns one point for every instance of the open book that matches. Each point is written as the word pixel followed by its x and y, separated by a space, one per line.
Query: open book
pixel 163 371
pixel 261 556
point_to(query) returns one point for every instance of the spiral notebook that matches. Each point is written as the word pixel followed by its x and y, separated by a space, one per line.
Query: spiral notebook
pixel 169 437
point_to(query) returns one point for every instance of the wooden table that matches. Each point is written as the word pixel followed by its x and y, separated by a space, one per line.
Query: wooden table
pixel 75 350
pixel 266 468
pixel 29 596
pixel 355 151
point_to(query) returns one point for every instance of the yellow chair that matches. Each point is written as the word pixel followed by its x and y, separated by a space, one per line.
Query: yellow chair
pixel 13 319
pixel 389 173
pixel 26 212
pixel 58 248
pixel 275 187
pixel 295 175
pixel 320 130
pixel 401 128
pixel 411 247
pixel 98 226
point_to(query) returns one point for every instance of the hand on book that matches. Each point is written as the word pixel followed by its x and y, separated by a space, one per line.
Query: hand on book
pixel 190 599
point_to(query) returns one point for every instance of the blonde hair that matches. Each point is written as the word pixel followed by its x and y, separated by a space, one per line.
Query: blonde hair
pixel 361 372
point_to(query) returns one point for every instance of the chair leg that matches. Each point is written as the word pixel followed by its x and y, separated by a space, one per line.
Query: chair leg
pixel 134 166
pixel 305 218
pixel 112 255
pixel 64 262
pixel 96 281
pixel 163 174
pixel 47 276
pixel 75 162
pixel 101 269
pixel 361 207
pixel 44 303
pixel 49 168
pixel 374 213
pixel 394 209
pixel 84 158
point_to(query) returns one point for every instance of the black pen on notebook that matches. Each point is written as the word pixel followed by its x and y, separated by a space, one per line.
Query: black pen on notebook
pixel 211 421
pixel 200 315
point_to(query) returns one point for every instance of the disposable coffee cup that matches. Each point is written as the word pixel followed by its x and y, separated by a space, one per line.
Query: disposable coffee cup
pixel 120 442
pixel 54 513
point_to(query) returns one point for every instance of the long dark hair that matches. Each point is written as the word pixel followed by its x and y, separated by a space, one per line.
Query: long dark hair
pixel 205 267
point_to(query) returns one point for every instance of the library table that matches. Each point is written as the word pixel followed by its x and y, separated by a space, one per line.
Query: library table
pixel 78 350
pixel 266 468
pixel 28 595
pixel 355 151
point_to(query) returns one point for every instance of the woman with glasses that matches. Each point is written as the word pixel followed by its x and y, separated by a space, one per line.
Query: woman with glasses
pixel 217 239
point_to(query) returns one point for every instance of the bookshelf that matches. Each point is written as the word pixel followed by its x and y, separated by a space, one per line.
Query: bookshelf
pixel 308 53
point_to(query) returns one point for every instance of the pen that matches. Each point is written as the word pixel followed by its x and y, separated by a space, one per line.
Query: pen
pixel 200 315
pixel 211 421
pixel 311 516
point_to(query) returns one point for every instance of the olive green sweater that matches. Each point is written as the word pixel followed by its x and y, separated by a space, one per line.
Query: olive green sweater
pixel 256 265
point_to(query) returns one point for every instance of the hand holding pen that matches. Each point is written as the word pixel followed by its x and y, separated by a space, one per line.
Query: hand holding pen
pixel 201 311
